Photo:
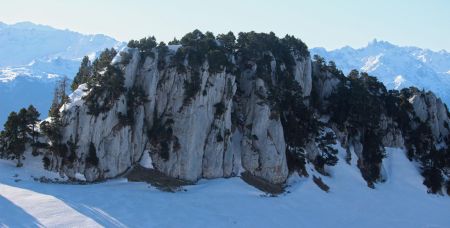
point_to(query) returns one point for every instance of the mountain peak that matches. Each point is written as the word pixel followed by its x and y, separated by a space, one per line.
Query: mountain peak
pixel 30 25
pixel 379 44
pixel 418 67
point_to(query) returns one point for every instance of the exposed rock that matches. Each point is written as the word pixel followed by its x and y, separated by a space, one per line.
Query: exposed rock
pixel 431 110
pixel 199 120
pixel 392 136
pixel 263 145
pixel 324 83
pixel 200 143
pixel 302 74
pixel 118 147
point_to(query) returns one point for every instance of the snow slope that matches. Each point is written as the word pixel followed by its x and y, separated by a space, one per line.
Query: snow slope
pixel 401 201
pixel 33 57
pixel 397 67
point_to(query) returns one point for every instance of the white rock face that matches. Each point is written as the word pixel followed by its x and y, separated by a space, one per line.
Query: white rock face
pixel 302 74
pixel 325 84
pixel 201 138
pixel 392 136
pixel 431 110
pixel 117 147
pixel 203 142
pixel 263 145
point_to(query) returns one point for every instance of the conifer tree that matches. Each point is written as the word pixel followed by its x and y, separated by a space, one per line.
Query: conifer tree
pixel 15 136
pixel 84 73
pixel 32 119
pixel 327 155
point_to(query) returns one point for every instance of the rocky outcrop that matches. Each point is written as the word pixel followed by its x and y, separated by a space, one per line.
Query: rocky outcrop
pixel 431 110
pixel 187 138
pixel 302 74
pixel 263 145
pixel 392 135
pixel 117 147
pixel 324 84
pixel 217 112
pixel 200 145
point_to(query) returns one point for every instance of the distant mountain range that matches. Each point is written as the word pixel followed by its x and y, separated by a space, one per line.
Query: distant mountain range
pixel 397 67
pixel 33 57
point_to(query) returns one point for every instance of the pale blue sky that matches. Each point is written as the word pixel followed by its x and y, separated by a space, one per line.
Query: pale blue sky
pixel 327 23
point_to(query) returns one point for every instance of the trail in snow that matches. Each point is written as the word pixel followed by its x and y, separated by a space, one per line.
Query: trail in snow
pixel 46 209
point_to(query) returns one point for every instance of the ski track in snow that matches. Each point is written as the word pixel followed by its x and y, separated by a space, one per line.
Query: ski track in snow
pixel 48 210
pixel 401 201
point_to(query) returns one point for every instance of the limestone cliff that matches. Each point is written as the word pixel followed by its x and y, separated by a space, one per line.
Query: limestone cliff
pixel 212 107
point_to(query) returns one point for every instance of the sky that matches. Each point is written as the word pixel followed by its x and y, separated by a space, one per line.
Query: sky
pixel 320 23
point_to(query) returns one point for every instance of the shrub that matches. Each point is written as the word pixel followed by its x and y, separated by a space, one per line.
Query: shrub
pixel 46 162
pixel 91 158
pixel 135 97
pixel 220 109
pixel 192 87
pixel 110 87
pixel 373 154
pixel 327 155
pixel 433 179
pixel 125 58
pixel 175 41
pixel 161 136
pixel 448 187
pixel 217 61
pixel 219 137
pixel 228 41
pixel 162 52
pixel 84 73
pixel 145 46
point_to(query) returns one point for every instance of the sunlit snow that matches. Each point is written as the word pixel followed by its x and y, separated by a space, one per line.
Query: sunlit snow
pixel 401 201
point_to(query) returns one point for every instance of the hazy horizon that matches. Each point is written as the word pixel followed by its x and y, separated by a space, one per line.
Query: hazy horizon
pixel 310 47
pixel 351 23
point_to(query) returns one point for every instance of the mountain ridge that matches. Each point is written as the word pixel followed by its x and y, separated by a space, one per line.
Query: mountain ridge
pixel 396 66
pixel 33 57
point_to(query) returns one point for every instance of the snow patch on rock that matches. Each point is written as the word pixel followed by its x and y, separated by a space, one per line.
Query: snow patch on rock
pixel 146 160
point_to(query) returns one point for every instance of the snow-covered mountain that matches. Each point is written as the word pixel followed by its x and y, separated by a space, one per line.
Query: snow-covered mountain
pixel 28 42
pixel 33 57
pixel 397 67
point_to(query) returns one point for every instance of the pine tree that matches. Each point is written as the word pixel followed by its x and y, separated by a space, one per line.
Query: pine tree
pixel 14 136
pixel 52 129
pixel 84 73
pixel 63 84
pixel 59 97
pixel 327 155
pixel 32 119
pixel 3 144
pixel 228 41
pixel 54 108
pixel 19 129
pixel 175 41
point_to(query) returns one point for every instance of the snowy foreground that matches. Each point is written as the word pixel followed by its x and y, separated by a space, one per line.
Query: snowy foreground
pixel 401 201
